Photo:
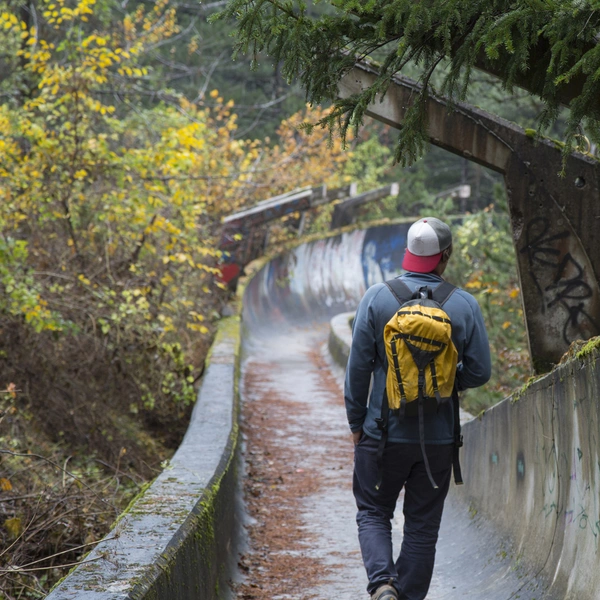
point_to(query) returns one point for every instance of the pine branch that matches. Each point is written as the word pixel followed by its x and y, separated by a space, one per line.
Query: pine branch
pixel 550 47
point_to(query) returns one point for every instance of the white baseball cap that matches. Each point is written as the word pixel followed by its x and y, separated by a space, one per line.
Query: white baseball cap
pixel 425 243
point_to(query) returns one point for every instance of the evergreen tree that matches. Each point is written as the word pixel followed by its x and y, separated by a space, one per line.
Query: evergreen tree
pixel 547 46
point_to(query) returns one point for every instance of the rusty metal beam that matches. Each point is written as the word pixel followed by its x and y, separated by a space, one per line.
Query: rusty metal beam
pixel 555 220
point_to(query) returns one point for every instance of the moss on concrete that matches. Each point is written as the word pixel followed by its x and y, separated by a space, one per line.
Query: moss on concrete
pixel 592 347
pixel 521 391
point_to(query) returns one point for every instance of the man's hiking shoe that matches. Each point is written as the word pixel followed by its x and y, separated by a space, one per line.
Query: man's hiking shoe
pixel 385 592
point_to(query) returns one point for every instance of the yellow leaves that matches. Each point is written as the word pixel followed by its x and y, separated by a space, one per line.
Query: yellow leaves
pixel 96 39
pixel 5 484
pixel 13 527
pixel 180 257
pixel 57 13
pixel 128 26
pixel 193 45
pixel 514 293
pixel 150 200
pixel 166 280
pixel 474 284
pixel 167 322
pixel 506 324
pixel 9 20
pixel 196 322
pixel 196 327
pixel 40 318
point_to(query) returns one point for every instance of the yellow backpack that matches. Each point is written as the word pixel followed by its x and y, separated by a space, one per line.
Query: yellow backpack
pixel 422 361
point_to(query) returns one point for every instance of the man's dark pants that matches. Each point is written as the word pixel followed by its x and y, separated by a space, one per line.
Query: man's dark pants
pixel 403 466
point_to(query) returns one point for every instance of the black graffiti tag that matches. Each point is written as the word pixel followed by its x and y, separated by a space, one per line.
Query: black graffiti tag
pixel 570 292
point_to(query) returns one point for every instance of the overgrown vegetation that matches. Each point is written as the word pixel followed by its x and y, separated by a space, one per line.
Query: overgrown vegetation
pixel 109 217
pixel 484 264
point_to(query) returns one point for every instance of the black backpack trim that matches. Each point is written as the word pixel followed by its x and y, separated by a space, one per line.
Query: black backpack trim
pixel 403 294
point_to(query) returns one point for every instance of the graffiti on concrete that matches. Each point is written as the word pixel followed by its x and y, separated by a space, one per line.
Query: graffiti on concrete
pixel 520 466
pixel 579 508
pixel 383 250
pixel 567 285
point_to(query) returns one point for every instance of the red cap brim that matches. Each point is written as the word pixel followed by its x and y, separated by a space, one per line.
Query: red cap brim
pixel 420 264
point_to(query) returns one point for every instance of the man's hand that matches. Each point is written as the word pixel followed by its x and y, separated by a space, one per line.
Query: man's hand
pixel 356 435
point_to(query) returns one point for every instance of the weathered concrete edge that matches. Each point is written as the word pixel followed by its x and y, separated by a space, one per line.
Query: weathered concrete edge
pixel 340 337
pixel 175 541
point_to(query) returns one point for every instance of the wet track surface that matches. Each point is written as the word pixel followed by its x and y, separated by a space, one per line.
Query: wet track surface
pixel 302 539
pixel 299 456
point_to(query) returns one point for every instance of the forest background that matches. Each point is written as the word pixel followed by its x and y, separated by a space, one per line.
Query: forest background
pixel 126 134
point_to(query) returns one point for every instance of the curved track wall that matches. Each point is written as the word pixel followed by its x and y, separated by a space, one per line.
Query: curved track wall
pixel 532 466
pixel 318 280
pixel 175 542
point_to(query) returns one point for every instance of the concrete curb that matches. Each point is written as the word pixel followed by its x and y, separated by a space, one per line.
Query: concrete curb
pixel 340 337
pixel 175 541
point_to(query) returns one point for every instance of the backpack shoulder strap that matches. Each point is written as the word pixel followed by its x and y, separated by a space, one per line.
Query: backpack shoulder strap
pixel 401 291
pixel 442 292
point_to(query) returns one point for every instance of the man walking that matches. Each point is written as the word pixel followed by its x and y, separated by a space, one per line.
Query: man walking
pixel 378 480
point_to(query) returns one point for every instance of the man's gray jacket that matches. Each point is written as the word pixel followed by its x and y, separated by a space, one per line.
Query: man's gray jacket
pixel 367 356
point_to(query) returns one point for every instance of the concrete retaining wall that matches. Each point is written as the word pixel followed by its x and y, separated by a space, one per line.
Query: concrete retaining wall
pixel 532 467
pixel 176 540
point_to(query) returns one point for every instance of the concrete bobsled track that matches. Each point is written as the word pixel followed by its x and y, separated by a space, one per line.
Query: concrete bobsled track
pixel 526 524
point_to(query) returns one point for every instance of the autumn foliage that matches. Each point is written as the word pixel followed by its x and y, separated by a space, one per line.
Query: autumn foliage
pixel 110 211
